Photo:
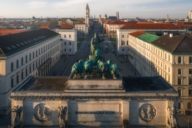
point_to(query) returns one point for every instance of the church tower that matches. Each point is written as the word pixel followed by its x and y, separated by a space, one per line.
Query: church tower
pixel 87 18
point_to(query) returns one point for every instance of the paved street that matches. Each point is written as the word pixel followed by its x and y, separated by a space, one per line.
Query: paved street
pixel 63 67
pixel 125 67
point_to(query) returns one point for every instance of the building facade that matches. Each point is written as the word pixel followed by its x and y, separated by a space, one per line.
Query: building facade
pixel 68 40
pixel 189 15
pixel 111 28
pixel 166 56
pixel 23 56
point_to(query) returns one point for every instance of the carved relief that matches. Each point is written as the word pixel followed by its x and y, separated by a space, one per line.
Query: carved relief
pixel 62 114
pixel 17 112
pixel 147 112
pixel 41 112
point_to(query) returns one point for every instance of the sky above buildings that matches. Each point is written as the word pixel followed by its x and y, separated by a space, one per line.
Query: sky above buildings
pixel 76 8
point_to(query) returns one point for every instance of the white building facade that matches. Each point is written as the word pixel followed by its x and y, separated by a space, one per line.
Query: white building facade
pixel 68 41
pixel 30 54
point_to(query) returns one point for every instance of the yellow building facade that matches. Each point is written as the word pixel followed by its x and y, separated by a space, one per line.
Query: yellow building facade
pixel 173 62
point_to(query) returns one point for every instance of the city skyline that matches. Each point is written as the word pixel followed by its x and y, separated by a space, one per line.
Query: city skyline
pixel 75 8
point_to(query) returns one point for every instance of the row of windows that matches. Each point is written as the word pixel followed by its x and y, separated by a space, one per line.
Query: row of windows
pixel 124 43
pixel 181 81
pixel 160 53
pixel 162 67
pixel 65 36
pixel 180 92
pixel 180 71
pixel 25 72
pixel 24 60
pixel 65 43
pixel 67 50
pixel 123 36
pixel 180 60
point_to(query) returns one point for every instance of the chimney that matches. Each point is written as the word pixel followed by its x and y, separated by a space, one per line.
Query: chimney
pixel 171 35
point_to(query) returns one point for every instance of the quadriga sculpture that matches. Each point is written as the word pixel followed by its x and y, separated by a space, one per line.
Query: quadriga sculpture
pixel 95 66
pixel 101 67
pixel 114 71
pixel 88 67
pixel 97 54
pixel 77 69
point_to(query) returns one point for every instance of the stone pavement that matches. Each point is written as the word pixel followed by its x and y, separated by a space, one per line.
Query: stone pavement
pixel 125 67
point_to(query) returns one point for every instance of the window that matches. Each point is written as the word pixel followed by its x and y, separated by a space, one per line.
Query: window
pixel 64 36
pixel 179 81
pixel 190 80
pixel 17 64
pixel 190 71
pixel 189 106
pixel 12 66
pixel 69 36
pixel 30 57
pixel 12 82
pixel 17 78
pixel 179 92
pixel 33 55
pixel 179 71
pixel 36 53
pixel 122 36
pixel 179 105
pixel 122 43
pixel 26 71
pixel 26 59
pixel 22 61
pixel 190 60
pixel 179 60
pixel 190 92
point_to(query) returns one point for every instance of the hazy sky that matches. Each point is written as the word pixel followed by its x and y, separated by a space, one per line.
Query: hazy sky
pixel 71 8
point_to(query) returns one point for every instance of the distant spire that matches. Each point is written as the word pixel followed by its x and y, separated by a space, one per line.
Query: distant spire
pixel 87 6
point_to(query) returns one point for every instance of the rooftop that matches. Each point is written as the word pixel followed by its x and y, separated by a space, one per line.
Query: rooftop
pixel 146 25
pixel 11 44
pixel 65 25
pixel 175 44
pixel 180 44
pixel 115 22
pixel 147 37
pixel 4 32
pixel 130 84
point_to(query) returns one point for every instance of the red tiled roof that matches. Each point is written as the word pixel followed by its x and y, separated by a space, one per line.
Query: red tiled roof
pixel 137 33
pixel 65 25
pixel 4 32
pixel 151 26
pixel 117 22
